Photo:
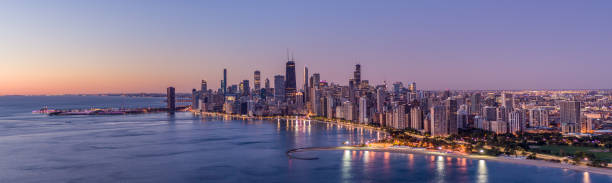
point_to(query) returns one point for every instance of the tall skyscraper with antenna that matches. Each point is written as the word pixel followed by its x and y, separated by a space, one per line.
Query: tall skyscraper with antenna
pixel 357 75
pixel 224 82
pixel 290 86
pixel 306 84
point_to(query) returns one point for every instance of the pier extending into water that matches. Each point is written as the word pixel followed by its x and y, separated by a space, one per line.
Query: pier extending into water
pixel 105 111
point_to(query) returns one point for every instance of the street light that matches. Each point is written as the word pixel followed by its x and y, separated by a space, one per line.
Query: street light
pixel 481 151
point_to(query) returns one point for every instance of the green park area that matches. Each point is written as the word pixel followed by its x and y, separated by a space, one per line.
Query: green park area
pixel 561 150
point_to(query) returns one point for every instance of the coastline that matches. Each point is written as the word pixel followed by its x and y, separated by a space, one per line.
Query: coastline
pixel 335 122
pixel 541 163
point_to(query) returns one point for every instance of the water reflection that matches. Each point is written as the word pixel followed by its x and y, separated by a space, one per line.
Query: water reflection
pixel 586 178
pixel 411 161
pixel 386 162
pixel 462 164
pixel 346 166
pixel 482 174
pixel 440 169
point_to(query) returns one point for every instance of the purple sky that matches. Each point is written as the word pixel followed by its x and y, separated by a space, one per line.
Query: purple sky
pixel 130 46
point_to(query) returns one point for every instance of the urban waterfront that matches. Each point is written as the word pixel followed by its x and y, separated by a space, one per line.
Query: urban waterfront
pixel 184 147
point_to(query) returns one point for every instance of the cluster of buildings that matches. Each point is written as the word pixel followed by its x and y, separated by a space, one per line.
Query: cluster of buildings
pixel 439 113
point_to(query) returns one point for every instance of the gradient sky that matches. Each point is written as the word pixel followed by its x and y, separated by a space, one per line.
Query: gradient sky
pixel 59 47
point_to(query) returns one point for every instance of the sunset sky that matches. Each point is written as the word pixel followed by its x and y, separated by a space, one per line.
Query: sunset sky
pixel 119 46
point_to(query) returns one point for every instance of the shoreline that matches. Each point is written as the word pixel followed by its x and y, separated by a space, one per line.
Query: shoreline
pixel 540 163
pixel 335 122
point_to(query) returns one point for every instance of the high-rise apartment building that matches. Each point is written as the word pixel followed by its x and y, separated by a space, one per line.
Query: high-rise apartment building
pixel 451 115
pixel 489 113
pixel 439 123
pixel 516 121
pixel 475 103
pixel 171 99
pixel 416 118
pixel 538 117
pixel 363 110
pixel 499 127
pixel 570 116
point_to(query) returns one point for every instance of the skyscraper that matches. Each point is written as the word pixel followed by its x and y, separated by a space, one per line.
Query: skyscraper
pixel 195 99
pixel 446 94
pixel 204 86
pixel 399 116
pixel 357 76
pixel 316 79
pixel 451 115
pixel 502 114
pixel 305 88
pixel 462 117
pixel 489 113
pixel 347 110
pixel 380 99
pixel 330 107
pixel 224 83
pixel 257 80
pixel 499 127
pixel 397 87
pixel 507 101
pixel 475 103
pixel 315 106
pixel 413 87
pixel 267 84
pixel 438 121
pixel 279 88
pixel 570 116
pixel 363 110
pixel 416 118
pixel 245 88
pixel 290 86
pixel 538 117
pixel 516 121
pixel 170 99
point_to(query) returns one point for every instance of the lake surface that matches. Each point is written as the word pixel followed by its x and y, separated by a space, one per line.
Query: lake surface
pixel 188 148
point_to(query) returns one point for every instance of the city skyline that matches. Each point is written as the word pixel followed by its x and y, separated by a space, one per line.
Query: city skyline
pixel 461 45
pixel 305 91
pixel 237 81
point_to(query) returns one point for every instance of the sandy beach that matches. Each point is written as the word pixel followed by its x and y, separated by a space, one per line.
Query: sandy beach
pixel 604 171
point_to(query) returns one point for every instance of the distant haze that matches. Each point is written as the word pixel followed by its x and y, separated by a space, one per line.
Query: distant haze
pixel 117 46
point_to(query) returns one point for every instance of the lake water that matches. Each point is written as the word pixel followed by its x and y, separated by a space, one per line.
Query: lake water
pixel 188 148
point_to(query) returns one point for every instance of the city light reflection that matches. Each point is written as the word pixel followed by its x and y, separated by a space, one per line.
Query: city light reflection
pixel 440 168
pixel 586 177
pixel 386 161
pixel 482 174
pixel 410 161
pixel 346 165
